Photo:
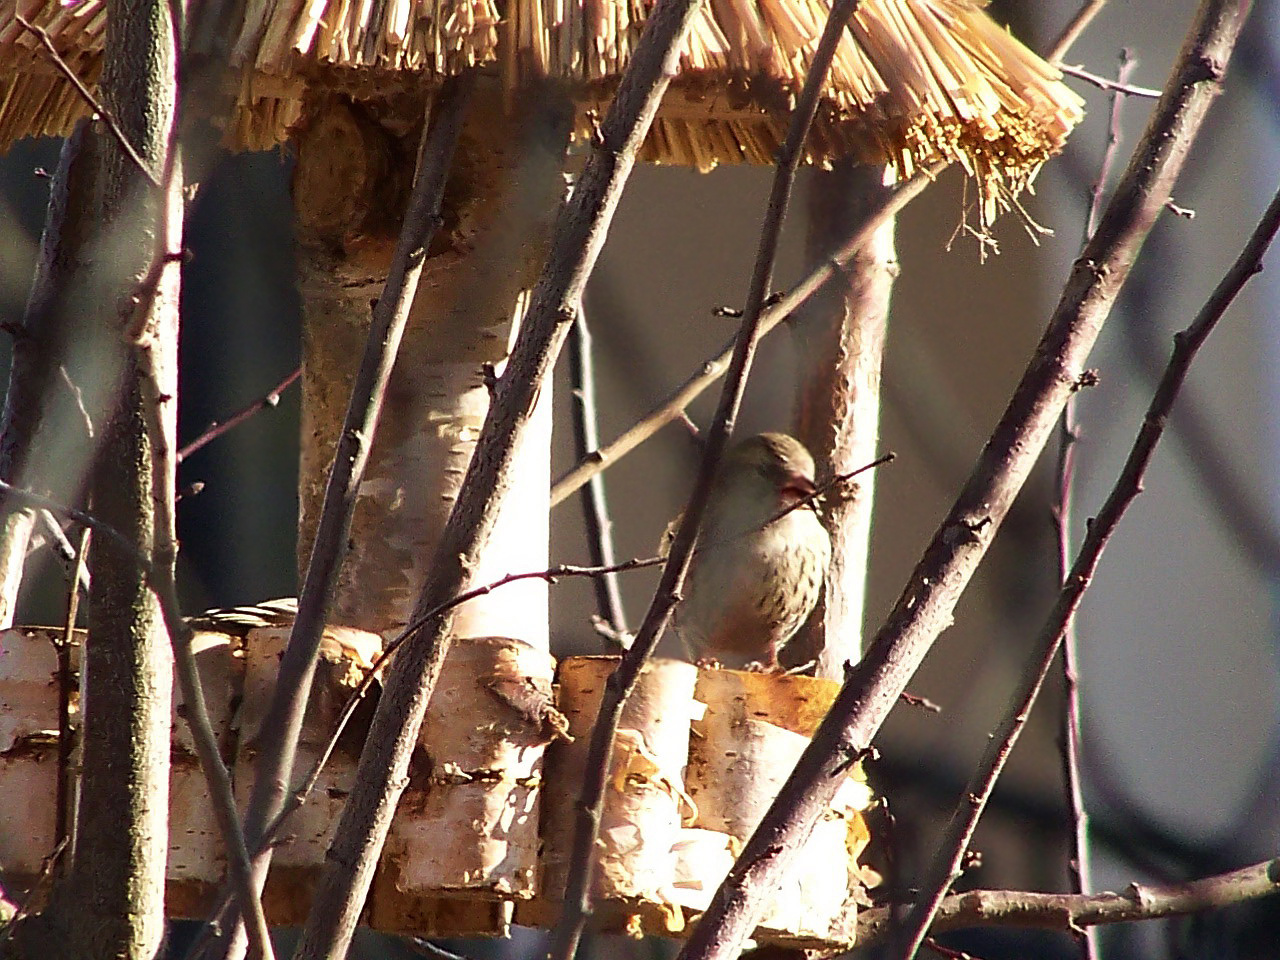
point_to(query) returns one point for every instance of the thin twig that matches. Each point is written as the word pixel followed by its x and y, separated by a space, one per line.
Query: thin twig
pixel 284 716
pixel 672 408
pixel 947 953
pixel 1079 870
pixel 47 867
pixel 576 906
pixel 924 703
pixel 1115 131
pixel 927 604
pixel 160 576
pixel 87 96
pixel 1114 86
pixel 964 820
pixel 215 772
pixel 62 547
pixel 577 238
pixel 822 489
pixel 218 427
pixel 1068 911
pixel 64 820
pixel 80 517
pixel 429 949
pixel 595 507
pixel 34 404
pixel 1074 28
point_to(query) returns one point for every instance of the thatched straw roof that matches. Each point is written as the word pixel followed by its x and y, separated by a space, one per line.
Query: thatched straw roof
pixel 913 80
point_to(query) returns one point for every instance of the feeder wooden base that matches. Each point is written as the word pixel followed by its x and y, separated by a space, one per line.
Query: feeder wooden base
pixel 482 834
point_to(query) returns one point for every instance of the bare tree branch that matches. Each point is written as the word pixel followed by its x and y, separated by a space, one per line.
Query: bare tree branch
pixel 97 108
pixel 35 398
pixel 577 238
pixel 64 817
pixel 1114 132
pixel 964 820
pixel 1070 911
pixel 928 601
pixel 148 313
pixel 52 535
pixel 1103 83
pixel 110 900
pixel 595 506
pixel 1077 25
pixel 38 889
pixel 1079 867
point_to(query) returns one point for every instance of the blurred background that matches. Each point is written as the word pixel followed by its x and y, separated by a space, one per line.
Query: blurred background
pixel 1178 635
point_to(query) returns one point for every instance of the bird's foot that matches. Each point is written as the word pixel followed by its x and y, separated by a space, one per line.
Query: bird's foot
pixel 708 663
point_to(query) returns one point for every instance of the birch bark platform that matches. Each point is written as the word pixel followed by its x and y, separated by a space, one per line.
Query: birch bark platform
pixel 483 830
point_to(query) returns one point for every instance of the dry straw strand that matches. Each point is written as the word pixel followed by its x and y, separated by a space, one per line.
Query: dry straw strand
pixel 913 81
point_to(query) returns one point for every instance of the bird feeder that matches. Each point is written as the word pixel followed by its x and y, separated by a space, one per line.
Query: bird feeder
pixel 484 829
pixel 347 85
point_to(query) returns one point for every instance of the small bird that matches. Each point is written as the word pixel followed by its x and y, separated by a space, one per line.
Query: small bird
pixel 755 576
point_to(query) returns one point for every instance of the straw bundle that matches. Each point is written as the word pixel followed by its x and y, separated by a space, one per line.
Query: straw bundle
pixel 913 80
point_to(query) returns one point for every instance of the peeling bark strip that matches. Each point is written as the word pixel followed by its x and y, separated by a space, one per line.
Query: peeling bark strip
pixel 467 825
pixel 646 806
pixel 752 733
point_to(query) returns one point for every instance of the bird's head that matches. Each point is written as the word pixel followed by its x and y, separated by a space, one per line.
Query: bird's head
pixel 773 468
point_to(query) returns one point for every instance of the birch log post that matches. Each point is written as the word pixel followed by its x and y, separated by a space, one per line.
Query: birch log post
pixel 354 161
pixel 840 335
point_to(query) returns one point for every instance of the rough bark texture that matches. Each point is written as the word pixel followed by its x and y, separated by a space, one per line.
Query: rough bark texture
pixel 840 335
pixel 111 904
pixel 501 200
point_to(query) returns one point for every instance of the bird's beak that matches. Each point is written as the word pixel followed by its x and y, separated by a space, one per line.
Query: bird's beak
pixel 799 486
